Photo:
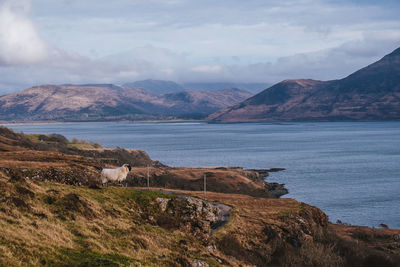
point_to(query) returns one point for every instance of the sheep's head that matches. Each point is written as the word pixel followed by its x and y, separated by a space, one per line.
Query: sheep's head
pixel 127 166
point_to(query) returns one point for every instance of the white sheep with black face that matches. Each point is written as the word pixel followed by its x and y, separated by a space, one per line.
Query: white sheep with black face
pixel 115 175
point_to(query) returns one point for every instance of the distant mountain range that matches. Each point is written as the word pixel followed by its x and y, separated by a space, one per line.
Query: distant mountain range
pixel 156 86
pixel 372 93
pixel 165 87
pixel 99 102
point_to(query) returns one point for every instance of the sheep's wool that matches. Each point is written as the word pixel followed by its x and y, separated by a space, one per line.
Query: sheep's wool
pixel 114 175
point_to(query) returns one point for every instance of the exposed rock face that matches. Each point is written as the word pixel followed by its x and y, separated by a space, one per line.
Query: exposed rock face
pixel 276 190
pixel 372 93
pixel 95 102
pixel 192 215
pixel 163 202
pixel 199 263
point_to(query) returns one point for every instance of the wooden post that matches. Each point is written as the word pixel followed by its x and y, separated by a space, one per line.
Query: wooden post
pixel 205 186
pixel 148 177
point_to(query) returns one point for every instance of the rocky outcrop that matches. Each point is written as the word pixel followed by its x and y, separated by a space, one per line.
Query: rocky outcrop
pixel 191 215
pixel 276 190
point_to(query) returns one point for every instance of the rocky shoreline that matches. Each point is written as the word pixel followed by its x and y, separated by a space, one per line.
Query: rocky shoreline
pixel 276 190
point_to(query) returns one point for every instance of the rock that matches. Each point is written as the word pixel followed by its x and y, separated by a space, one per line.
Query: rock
pixel 199 263
pixel 211 248
pixel 194 208
pixel 191 215
pixel 383 225
pixel 163 203
pixel 276 190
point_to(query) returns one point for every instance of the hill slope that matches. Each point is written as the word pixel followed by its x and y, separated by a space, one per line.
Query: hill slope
pixel 197 104
pixel 50 217
pixel 156 86
pixel 209 86
pixel 96 102
pixel 167 87
pixel 372 93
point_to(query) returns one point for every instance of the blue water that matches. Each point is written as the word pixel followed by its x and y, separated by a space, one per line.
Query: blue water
pixel 351 170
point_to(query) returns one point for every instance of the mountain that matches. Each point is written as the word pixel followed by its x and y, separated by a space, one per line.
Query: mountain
pixel 372 93
pixel 166 87
pixel 96 102
pixel 197 104
pixel 74 102
pixel 156 86
pixel 251 87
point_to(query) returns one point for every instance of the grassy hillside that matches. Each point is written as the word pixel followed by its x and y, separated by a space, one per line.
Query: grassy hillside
pixel 52 224
pixel 54 213
pixel 59 225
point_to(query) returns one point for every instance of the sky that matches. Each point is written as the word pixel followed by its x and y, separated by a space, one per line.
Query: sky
pixel 119 41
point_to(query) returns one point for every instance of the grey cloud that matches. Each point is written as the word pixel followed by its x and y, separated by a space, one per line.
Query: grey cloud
pixel 152 62
pixel 192 41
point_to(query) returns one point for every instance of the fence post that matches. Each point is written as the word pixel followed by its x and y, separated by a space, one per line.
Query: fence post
pixel 205 186
pixel 148 177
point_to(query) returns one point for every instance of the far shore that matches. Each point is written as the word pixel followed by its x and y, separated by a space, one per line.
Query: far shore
pixel 6 123
pixel 95 122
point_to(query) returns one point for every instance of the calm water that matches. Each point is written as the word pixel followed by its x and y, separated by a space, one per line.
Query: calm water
pixel 350 170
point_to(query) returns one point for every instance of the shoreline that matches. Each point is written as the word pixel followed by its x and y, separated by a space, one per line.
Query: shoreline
pixel 5 123
pixel 98 122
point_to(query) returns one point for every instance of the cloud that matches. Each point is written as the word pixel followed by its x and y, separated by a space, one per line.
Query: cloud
pixel 96 41
pixel 159 63
pixel 19 40
pixel 326 64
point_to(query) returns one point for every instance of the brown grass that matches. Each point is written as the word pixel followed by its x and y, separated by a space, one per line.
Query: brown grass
pixel 66 223
pixel 47 221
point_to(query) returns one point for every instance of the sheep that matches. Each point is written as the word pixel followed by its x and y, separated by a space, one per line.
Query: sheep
pixel 115 175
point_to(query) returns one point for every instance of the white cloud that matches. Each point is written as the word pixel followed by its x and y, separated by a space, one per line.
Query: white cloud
pixel 207 68
pixel 19 40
